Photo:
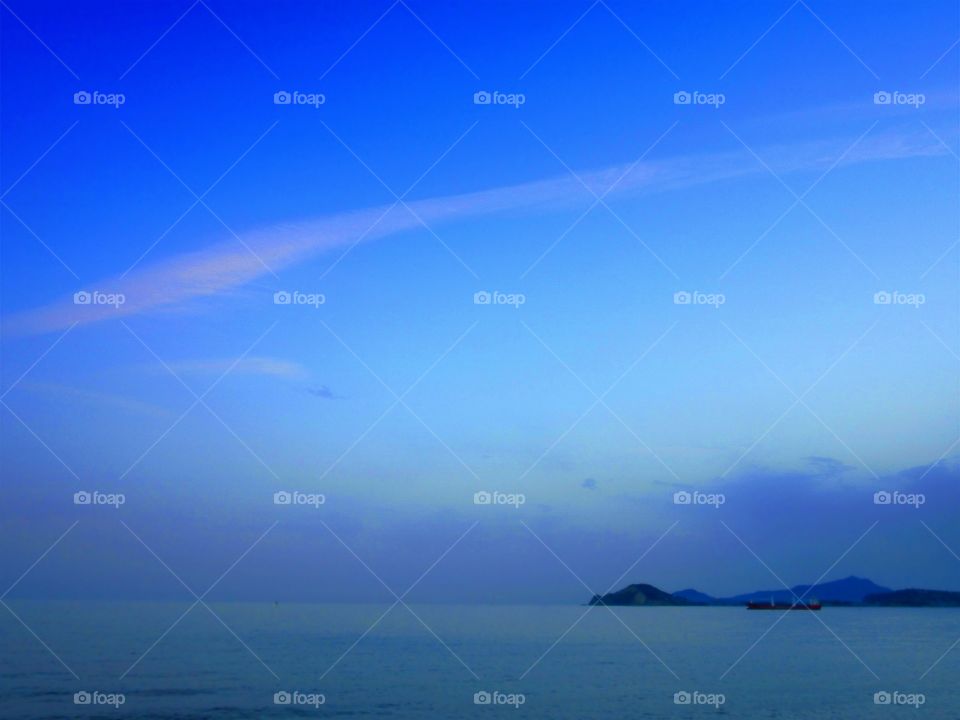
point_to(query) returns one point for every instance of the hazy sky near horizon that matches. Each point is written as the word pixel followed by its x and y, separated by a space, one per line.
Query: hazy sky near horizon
pixel 789 208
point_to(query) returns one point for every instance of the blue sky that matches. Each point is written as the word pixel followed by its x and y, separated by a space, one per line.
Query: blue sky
pixel 796 201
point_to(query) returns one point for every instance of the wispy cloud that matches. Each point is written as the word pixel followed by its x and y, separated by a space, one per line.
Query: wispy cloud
pixel 272 367
pixel 827 466
pixel 116 402
pixel 228 265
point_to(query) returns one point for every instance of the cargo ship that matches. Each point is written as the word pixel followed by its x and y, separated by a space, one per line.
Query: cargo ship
pixel 800 605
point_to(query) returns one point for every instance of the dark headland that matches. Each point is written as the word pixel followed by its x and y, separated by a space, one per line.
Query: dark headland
pixel 848 592
pixel 639 594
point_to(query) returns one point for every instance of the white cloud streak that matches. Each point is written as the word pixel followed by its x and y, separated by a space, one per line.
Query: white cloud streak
pixel 266 366
pixel 224 266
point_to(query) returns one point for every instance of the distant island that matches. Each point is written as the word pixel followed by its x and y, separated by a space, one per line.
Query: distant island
pixel 848 592
pixel 640 595
pixel 913 597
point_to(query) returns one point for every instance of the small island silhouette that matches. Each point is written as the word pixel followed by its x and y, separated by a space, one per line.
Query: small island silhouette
pixel 848 592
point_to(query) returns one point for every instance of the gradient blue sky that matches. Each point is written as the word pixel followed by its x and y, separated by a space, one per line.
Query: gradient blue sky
pixel 701 397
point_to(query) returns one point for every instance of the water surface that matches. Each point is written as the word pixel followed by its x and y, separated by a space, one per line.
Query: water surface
pixel 429 661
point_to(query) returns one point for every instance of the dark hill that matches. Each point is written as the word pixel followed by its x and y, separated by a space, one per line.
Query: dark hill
pixel 695 596
pixel 848 590
pixel 913 597
pixel 640 594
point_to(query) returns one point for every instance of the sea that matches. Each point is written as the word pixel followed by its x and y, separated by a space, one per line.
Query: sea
pixel 181 661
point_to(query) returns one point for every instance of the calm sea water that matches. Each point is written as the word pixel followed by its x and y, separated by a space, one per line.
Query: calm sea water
pixel 205 668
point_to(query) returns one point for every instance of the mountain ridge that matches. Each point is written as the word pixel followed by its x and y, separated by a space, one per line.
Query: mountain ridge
pixel 851 590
